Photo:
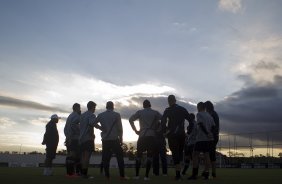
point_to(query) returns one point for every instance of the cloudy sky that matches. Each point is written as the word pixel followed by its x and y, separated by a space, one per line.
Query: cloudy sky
pixel 55 53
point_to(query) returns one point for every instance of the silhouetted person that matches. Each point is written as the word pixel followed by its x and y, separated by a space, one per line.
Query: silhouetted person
pixel 160 154
pixel 148 121
pixel 173 125
pixel 204 141
pixel 112 138
pixel 210 109
pixel 190 142
pixel 72 132
pixel 87 137
pixel 51 140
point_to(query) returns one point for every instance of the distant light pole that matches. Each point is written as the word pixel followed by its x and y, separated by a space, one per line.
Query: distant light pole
pixel 21 149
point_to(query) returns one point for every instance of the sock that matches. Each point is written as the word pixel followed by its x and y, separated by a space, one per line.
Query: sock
pixel 70 166
pixel 178 174
pixel 84 172
pixel 206 174
pixel 195 171
pixel 186 166
pixel 78 169
pixel 148 166
pixel 137 166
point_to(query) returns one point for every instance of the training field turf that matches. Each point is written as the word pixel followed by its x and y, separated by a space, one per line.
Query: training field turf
pixel 225 176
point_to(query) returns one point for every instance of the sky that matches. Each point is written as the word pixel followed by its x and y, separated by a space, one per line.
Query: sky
pixel 55 53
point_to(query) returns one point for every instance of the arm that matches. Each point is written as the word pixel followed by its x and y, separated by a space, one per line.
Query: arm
pixel 158 122
pixel 131 121
pixel 164 122
pixel 120 129
pixel 95 123
pixel 191 125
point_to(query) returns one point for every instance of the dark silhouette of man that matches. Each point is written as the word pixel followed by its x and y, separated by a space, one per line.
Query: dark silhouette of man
pixel 51 140
pixel 112 138
pixel 210 109
pixel 72 132
pixel 173 125
pixel 148 121
pixel 86 137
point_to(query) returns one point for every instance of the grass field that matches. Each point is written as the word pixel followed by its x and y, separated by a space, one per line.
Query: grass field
pixel 225 176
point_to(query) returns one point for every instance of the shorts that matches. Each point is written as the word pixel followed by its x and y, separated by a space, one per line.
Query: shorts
pixel 51 152
pixel 146 144
pixel 188 150
pixel 73 146
pixel 213 151
pixel 203 146
pixel 87 146
pixel 176 146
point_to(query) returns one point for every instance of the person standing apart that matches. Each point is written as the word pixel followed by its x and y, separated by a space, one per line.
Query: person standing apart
pixel 72 132
pixel 86 137
pixel 112 132
pixel 173 125
pixel 51 140
pixel 148 121
pixel 210 109
pixel 205 125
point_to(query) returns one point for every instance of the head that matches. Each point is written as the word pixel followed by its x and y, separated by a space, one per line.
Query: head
pixel 146 104
pixel 209 106
pixel 55 118
pixel 171 100
pixel 110 105
pixel 91 106
pixel 201 106
pixel 76 108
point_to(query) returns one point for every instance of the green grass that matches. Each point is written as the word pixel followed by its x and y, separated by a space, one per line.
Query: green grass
pixel 225 176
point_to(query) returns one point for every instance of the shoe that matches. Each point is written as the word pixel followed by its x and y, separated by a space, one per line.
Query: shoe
pixel 49 171
pixel 124 178
pixel 177 178
pixel 72 176
pixel 193 177
pixel 165 175
pixel 87 177
pixel 45 172
pixel 146 178
pixel 136 177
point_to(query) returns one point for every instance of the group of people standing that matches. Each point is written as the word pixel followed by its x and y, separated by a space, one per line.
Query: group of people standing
pixel 201 136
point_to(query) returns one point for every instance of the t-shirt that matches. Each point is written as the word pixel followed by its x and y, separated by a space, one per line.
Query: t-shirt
pixel 71 129
pixel 148 121
pixel 207 121
pixel 86 127
pixel 111 125
pixel 173 120
pixel 192 137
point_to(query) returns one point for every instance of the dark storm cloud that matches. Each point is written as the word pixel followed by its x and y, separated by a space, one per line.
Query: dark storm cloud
pixel 253 109
pixel 265 66
pixel 13 102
